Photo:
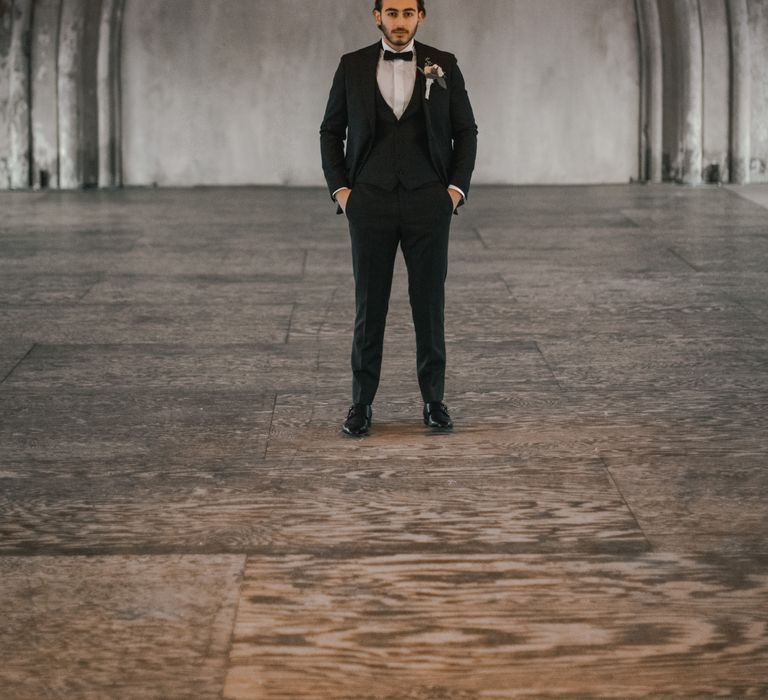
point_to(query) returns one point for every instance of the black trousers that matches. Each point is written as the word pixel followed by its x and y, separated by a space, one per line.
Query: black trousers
pixel 419 221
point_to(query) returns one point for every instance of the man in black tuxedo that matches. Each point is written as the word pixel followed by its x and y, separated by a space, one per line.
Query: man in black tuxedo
pixel 411 142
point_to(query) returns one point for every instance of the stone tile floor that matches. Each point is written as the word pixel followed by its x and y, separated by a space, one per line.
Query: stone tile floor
pixel 180 517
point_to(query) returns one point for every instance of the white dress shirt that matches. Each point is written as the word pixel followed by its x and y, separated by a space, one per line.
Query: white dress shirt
pixel 396 78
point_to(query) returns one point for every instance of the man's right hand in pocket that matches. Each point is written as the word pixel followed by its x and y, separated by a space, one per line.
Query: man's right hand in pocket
pixel 342 196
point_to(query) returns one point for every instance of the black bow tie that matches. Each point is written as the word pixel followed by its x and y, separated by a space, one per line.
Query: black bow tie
pixel 402 56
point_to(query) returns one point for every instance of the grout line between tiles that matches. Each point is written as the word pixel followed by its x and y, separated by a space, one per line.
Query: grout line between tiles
pixel 479 237
pixel 748 310
pixel 99 280
pixel 624 501
pixel 342 551
pixel 320 326
pixel 231 640
pixel 683 260
pixel 549 367
pixel 269 429
pixel 11 371
pixel 508 288
pixel 290 323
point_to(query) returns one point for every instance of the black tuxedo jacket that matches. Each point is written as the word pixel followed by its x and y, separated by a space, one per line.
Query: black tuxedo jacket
pixel 351 115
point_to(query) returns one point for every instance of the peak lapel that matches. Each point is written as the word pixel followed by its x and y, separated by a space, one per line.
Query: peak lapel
pixel 421 83
pixel 421 61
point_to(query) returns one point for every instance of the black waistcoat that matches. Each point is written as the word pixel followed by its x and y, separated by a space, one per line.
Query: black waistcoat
pixel 400 152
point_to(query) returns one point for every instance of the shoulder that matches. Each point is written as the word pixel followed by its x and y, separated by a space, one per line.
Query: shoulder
pixel 362 54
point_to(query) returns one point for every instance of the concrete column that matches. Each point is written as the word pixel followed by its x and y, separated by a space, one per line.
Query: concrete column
pixel 45 136
pixel 715 166
pixel 108 78
pixel 740 138
pixel 69 106
pixel 78 115
pixel 691 75
pixel 18 97
pixel 651 89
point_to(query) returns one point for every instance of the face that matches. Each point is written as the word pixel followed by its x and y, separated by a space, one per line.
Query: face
pixel 398 21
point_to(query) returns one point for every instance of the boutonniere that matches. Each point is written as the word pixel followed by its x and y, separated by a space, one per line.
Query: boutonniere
pixel 434 74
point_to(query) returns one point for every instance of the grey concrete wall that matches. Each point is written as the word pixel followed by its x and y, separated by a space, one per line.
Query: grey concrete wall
pixel 758 25
pixel 555 84
pixel 233 91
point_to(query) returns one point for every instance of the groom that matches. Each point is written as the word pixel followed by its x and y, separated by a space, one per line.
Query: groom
pixel 411 141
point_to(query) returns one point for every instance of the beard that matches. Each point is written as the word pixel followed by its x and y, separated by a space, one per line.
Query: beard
pixel 397 39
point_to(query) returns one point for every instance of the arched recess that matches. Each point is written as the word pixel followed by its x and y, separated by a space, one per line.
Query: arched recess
pixel 740 97
pixel 6 28
pixel 683 76
pixel 716 80
pixel 707 74
pixel 651 90
pixel 44 92
pixel 17 107
pixel 77 93
pixel 59 93
pixel 109 81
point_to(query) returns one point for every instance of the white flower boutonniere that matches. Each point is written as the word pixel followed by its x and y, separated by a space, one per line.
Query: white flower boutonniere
pixel 434 74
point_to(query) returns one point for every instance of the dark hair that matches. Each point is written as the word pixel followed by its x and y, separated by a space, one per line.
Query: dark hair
pixel 420 3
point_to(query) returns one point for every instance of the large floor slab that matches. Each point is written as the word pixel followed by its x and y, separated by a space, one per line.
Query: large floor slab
pixel 480 626
pixel 334 506
pixel 116 627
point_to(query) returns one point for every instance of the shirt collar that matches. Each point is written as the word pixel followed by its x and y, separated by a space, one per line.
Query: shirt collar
pixel 387 47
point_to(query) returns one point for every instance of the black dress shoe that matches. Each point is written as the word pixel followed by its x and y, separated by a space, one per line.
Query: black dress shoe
pixel 358 420
pixel 436 415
